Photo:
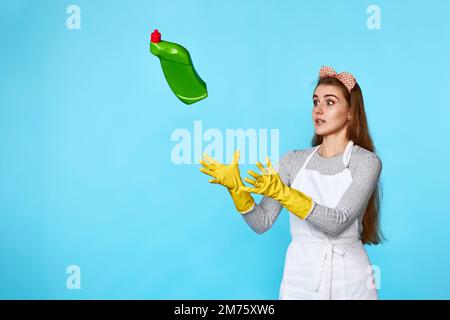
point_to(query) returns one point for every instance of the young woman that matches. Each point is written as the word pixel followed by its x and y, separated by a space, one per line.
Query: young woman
pixel 331 192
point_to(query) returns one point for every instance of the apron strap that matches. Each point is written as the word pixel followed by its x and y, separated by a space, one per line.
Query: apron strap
pixel 347 154
pixel 310 156
pixel 345 158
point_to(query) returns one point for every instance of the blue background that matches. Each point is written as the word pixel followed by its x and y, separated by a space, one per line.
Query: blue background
pixel 86 118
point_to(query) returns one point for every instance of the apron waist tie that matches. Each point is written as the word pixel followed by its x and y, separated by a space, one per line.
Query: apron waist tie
pixel 326 259
pixel 329 247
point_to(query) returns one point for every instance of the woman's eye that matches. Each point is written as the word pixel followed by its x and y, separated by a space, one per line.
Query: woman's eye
pixel 329 102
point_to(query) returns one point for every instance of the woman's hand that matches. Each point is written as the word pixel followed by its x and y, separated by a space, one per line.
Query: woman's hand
pixel 267 183
pixel 227 175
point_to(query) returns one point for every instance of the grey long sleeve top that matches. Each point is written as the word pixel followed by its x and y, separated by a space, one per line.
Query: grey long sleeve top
pixel 365 167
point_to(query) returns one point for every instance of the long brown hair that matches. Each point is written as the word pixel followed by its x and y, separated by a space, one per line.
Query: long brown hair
pixel 358 132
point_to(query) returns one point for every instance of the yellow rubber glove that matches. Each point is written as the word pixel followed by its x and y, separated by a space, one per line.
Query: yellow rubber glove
pixel 269 184
pixel 229 176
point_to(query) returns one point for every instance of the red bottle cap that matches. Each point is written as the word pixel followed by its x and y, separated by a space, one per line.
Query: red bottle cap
pixel 156 36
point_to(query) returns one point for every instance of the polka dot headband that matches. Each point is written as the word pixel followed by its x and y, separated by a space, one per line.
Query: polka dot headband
pixel 347 79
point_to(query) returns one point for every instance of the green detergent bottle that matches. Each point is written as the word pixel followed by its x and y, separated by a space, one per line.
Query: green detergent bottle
pixel 178 69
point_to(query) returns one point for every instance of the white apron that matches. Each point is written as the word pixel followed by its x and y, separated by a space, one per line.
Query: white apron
pixel 318 266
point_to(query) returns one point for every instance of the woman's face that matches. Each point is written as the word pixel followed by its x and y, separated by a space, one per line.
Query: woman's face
pixel 330 110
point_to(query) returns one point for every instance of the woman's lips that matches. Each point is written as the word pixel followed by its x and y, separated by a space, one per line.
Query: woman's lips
pixel 319 122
